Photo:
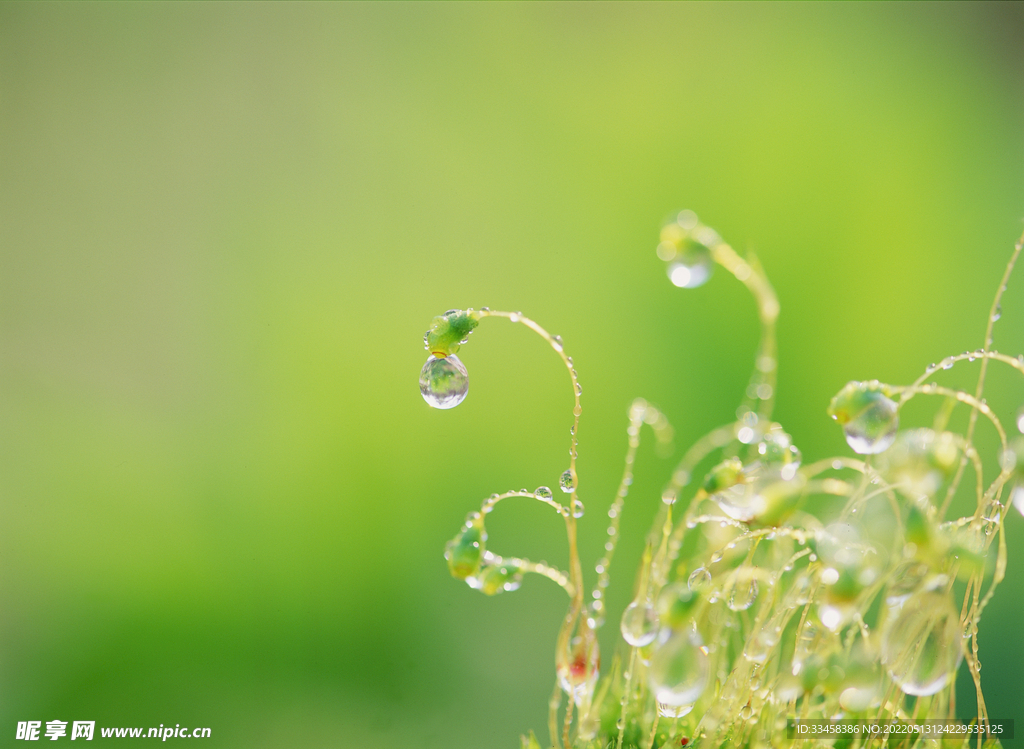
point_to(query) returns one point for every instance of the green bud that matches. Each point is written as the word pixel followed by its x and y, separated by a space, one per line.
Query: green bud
pixel 465 551
pixel 497 578
pixel 450 330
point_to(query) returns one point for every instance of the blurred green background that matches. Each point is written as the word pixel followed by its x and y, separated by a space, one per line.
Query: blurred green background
pixel 225 227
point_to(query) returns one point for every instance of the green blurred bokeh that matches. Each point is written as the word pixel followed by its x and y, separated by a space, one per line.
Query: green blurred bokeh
pixel 225 227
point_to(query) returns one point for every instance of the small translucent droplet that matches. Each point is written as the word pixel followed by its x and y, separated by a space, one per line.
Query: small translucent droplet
pixel 923 647
pixel 444 383
pixel 578 510
pixel 998 313
pixel 947 363
pixel 556 341
pixel 639 624
pixel 565 482
pixel 543 492
pixel 699 579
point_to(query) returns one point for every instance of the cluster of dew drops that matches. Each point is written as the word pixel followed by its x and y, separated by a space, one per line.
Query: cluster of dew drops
pixel 677 662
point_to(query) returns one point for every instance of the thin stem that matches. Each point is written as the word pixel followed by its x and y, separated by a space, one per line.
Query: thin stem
pixel 984 366
pixel 575 570
pixel 555 342
pixel 750 273
pixel 491 501
pixel 640 412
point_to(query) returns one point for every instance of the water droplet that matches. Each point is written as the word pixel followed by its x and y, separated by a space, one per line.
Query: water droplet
pixel 578 510
pixel 998 313
pixel 444 383
pixel 690 271
pixel 868 416
pixel 515 316
pixel 639 624
pixel 686 219
pixel 679 670
pixel 556 341
pixel 776 449
pixel 543 492
pixel 947 363
pixel 767 494
pixel 565 482
pixel 743 595
pixel 923 647
pixel 761 644
pixel 699 579
pixel 919 461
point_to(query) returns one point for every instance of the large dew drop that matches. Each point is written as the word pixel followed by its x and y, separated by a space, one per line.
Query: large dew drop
pixel 679 672
pixel 868 416
pixel 922 648
pixel 444 382
pixel 765 497
pixel 639 624
pixel 919 461
pixel 685 246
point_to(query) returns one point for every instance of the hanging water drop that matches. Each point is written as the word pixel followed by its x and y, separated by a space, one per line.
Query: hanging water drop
pixel 699 579
pixel 743 595
pixel 444 383
pixel 565 482
pixel 923 647
pixel 776 449
pixel 543 492
pixel 689 259
pixel 578 510
pixel 998 312
pixel 639 624
pixel 679 670
pixel 868 416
